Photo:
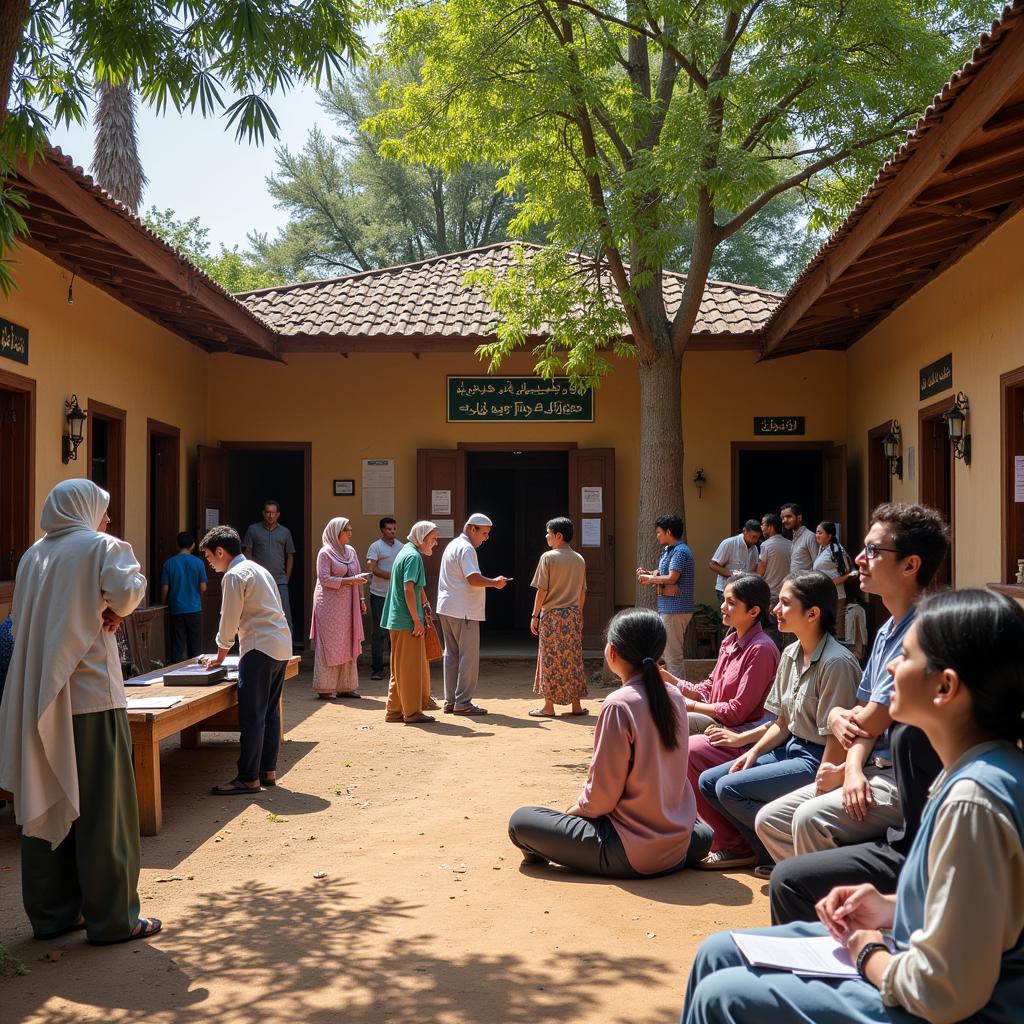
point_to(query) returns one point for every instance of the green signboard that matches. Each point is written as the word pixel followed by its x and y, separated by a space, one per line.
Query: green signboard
pixel 13 342
pixel 517 400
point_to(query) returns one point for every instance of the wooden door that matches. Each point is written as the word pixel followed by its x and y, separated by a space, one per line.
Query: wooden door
pixel 936 480
pixel 594 468
pixel 879 492
pixel 833 498
pixel 106 430
pixel 1012 385
pixel 439 469
pixel 211 510
pixel 164 490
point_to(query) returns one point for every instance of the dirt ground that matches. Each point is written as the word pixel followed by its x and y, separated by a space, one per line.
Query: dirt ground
pixel 423 914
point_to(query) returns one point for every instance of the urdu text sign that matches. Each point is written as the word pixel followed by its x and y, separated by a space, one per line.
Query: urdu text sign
pixel 517 400
pixel 13 342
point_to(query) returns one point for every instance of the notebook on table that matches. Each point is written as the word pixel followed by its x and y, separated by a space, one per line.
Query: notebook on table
pixel 195 675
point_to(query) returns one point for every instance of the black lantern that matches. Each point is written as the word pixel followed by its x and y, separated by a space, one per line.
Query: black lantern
pixel 891 446
pixel 700 480
pixel 956 425
pixel 75 432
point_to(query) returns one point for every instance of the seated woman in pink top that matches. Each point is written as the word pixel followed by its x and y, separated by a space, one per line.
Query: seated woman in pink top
pixel 633 819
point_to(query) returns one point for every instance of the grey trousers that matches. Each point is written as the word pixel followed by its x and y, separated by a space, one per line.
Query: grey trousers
pixel 699 723
pixel 286 603
pixel 461 659
pixel 676 624
pixel 589 845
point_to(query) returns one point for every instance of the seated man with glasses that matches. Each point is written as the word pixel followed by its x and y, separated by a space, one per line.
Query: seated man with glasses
pixel 859 798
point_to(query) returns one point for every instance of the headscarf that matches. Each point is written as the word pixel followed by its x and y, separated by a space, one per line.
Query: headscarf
pixel 344 553
pixel 64 583
pixel 420 530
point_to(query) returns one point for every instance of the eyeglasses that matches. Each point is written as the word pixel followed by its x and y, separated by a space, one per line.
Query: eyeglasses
pixel 871 550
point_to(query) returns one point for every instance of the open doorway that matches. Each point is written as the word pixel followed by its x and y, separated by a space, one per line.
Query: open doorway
pixel 936 481
pixel 520 491
pixel 17 477
pixel 766 475
pixel 163 499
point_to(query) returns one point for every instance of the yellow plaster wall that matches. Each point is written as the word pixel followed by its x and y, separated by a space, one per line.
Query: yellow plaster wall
pixel 976 311
pixel 377 406
pixel 102 350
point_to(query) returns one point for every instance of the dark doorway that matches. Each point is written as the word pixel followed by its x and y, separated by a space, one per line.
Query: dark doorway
pixel 257 474
pixel 17 476
pixel 879 492
pixel 520 492
pixel 1012 385
pixel 936 483
pixel 765 476
pixel 106 444
pixel 163 501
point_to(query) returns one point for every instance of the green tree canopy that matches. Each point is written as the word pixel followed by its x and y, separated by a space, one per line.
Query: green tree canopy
pixel 646 131
pixel 234 270
pixel 210 55
pixel 353 210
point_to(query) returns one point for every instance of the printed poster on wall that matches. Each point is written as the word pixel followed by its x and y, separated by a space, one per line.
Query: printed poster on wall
pixel 592 499
pixel 1018 478
pixel 378 487
pixel 440 503
pixel 590 535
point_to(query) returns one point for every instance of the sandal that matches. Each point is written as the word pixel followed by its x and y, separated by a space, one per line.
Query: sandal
pixel 233 788
pixel 540 713
pixel 394 719
pixel 431 705
pixel 469 709
pixel 76 927
pixel 576 714
pixel 349 695
pixel 726 860
pixel 268 779
pixel 145 929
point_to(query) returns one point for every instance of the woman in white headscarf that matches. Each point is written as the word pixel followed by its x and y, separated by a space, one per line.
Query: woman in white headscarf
pixel 338 610
pixel 65 743
pixel 406 615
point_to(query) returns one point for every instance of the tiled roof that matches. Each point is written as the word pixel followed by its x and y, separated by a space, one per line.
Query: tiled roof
pixel 429 300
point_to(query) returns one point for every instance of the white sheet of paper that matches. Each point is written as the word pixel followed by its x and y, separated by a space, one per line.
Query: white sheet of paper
pixel 152 703
pixel 590 534
pixel 445 528
pixel 815 956
pixel 592 499
pixel 440 503
pixel 1018 478
pixel 212 518
pixel 378 487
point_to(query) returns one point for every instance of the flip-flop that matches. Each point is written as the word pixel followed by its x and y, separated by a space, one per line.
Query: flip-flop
pixel 148 927
pixel 539 713
pixel 470 709
pixel 233 789
pixel 575 714
pixel 265 781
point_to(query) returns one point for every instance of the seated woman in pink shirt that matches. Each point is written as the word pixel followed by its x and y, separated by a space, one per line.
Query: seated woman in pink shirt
pixel 633 819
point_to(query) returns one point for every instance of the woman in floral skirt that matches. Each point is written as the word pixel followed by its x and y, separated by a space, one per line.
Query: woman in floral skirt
pixel 561 585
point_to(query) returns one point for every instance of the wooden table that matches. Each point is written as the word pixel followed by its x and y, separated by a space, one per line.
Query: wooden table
pixel 209 708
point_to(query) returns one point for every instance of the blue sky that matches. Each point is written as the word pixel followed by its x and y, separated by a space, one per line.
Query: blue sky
pixel 196 167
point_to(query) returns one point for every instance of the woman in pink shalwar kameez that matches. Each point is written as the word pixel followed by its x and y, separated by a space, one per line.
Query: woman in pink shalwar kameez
pixel 338 610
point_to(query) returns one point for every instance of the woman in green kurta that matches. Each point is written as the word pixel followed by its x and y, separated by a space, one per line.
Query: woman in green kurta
pixel 65 743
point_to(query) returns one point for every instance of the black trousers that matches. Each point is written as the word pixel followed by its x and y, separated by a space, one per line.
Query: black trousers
pixel 186 640
pixel 799 882
pixel 379 635
pixel 260 682
pixel 589 845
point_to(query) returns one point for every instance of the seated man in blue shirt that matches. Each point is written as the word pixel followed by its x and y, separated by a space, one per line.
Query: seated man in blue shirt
pixel 182 585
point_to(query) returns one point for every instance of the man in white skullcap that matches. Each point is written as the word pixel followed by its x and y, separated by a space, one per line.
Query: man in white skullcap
pixel 461 596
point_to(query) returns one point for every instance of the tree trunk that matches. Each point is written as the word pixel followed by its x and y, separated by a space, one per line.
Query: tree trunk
pixel 116 163
pixel 661 454
pixel 13 15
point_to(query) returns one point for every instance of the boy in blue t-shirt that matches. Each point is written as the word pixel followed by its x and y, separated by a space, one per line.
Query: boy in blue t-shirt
pixel 182 584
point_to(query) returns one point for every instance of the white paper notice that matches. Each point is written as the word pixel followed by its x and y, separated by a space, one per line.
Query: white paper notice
pixel 817 956
pixel 212 518
pixel 1018 478
pixel 440 503
pixel 592 499
pixel 378 487
pixel 591 533
pixel 153 703
pixel 445 528
pixel 911 463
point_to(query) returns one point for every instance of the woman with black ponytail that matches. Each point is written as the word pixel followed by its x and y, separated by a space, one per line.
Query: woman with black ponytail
pixel 633 818
pixel 949 946
pixel 835 562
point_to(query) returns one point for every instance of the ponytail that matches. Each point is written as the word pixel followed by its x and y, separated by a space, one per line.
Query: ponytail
pixel 638 635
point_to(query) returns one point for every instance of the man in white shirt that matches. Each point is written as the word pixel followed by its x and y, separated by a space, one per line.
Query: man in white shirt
pixel 379 560
pixel 251 609
pixel 805 547
pixel 461 597
pixel 735 555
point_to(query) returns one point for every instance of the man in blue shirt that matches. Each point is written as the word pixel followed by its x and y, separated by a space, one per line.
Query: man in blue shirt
pixel 674 580
pixel 182 585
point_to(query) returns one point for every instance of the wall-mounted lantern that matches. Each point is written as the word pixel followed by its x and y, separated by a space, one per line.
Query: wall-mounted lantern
pixel 891 444
pixel 956 424
pixel 75 431
pixel 700 480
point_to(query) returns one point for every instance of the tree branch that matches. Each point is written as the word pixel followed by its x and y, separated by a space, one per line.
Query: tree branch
pixel 777 109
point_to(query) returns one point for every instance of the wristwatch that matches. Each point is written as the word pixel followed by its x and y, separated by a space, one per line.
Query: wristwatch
pixel 868 950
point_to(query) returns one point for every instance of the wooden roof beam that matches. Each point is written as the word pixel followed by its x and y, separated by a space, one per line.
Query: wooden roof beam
pixel 47 175
pixel 973 106
pixel 969 184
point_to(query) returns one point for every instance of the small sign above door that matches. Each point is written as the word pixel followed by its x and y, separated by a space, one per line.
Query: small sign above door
pixel 937 377
pixel 13 342
pixel 517 400
pixel 770 426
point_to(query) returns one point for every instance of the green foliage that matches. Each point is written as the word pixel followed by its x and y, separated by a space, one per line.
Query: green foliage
pixel 234 270
pixel 352 210
pixel 180 54
pixel 651 133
